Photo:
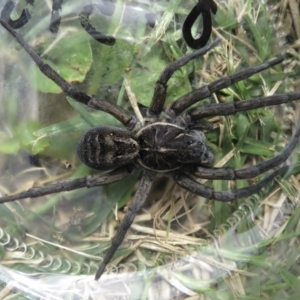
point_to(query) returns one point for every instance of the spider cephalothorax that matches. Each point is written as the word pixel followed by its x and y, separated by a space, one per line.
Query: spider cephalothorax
pixel 169 141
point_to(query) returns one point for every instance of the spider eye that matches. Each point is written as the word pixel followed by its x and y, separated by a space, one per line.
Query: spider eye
pixel 190 142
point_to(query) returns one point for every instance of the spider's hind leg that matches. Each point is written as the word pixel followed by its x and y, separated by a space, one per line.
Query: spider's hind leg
pixel 72 184
pixel 134 207
pixel 207 192
pixel 248 172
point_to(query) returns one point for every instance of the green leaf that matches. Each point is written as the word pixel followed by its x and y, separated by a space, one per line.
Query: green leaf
pixel 86 120
pixel 251 149
pixel 109 65
pixel 9 146
pixel 242 125
pixel 69 56
pixel 291 280
pixel 194 284
pixel 268 126
pixel 40 145
pixel 143 77
pixel 83 112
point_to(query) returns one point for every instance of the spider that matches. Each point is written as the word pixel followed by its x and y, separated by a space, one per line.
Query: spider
pixel 169 141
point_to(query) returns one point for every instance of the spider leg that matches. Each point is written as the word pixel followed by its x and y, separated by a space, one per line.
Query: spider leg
pixel 134 207
pixel 202 7
pixel 55 16
pixel 249 172
pixel 197 188
pixel 205 91
pixel 6 15
pixel 92 101
pixel 230 108
pixel 160 89
pixel 85 22
pixel 202 126
pixel 73 184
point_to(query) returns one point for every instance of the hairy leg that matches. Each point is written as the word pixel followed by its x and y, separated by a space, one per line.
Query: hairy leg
pixel 207 192
pixel 117 111
pixel 191 98
pixel 248 172
pixel 134 207
pixel 160 89
pixel 73 184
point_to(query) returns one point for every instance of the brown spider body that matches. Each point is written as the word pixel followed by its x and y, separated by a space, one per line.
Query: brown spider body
pixel 159 147
pixel 106 147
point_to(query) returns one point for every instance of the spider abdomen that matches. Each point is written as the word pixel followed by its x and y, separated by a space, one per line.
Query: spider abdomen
pixel 165 147
pixel 107 147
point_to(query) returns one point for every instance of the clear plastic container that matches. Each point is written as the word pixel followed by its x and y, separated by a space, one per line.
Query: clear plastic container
pixel 180 246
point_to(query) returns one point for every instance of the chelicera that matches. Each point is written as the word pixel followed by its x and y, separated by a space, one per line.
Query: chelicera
pixel 169 141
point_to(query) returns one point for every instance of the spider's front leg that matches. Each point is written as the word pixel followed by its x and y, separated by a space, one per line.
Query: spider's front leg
pixel 92 101
pixel 179 105
pixel 230 108
pixel 134 207
pixel 160 89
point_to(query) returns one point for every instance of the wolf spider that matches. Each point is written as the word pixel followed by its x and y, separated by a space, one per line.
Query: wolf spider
pixel 169 141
